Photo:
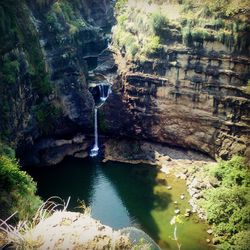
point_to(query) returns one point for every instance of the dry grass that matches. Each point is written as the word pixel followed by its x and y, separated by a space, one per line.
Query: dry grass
pixel 18 235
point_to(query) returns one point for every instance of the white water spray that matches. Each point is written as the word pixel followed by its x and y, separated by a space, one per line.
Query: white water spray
pixel 103 95
pixel 103 98
pixel 95 149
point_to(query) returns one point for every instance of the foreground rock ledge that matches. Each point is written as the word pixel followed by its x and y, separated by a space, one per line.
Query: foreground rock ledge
pixel 71 230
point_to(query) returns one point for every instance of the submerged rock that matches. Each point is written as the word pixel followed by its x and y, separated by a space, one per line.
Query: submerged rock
pixel 182 196
pixel 177 211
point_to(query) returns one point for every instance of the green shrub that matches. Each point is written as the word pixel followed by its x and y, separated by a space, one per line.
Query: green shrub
pixel 120 5
pixel 152 45
pixel 6 150
pixel 186 36
pixel 242 240
pixel 200 35
pixel 228 205
pixel 133 49
pixel 62 15
pixel 17 189
pixel 248 87
pixel 232 173
pixel 122 19
pixel 40 80
pixel 10 69
pixel 126 41
pixel 216 8
pixel 158 22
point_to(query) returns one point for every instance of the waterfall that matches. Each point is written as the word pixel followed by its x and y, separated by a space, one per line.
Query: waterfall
pixel 105 91
pixel 95 149
pixel 104 94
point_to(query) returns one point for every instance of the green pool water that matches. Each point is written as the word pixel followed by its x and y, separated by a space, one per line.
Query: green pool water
pixel 122 195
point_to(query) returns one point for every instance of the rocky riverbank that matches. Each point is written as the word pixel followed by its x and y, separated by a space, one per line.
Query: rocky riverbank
pixel 183 164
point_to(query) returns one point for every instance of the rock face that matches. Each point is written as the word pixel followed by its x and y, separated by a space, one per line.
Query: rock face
pixel 68 230
pixel 182 107
pixel 72 35
pixel 46 152
pixel 46 70
pixel 71 230
pixel 132 151
pixel 188 96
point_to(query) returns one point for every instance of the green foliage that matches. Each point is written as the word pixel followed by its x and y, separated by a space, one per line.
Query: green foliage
pixel 216 21
pixel 17 189
pixel 200 35
pixel 6 150
pixel 46 115
pixel 226 7
pixel 152 45
pixel 122 20
pixel 242 240
pixel 138 34
pixel 187 36
pixel 248 87
pixel 120 5
pixel 177 219
pixel 126 41
pixel 228 206
pixel 232 173
pixel 231 33
pixel 40 80
pixel 22 65
pixel 217 8
pixel 158 22
pixel 10 70
pixel 62 15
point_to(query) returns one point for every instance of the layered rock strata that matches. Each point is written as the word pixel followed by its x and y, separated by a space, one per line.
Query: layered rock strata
pixel 188 98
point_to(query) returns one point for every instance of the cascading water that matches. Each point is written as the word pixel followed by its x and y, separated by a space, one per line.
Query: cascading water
pixel 95 149
pixel 104 94
pixel 105 91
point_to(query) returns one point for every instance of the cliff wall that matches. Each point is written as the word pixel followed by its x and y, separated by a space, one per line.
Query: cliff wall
pixel 47 50
pixel 188 90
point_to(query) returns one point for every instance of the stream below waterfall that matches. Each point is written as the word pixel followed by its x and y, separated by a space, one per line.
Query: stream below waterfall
pixel 122 195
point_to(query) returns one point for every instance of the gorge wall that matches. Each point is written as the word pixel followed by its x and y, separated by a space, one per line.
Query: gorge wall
pixel 181 80
pixel 191 93
pixel 47 50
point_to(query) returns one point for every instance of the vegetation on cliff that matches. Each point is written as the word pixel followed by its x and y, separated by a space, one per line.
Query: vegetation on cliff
pixel 17 188
pixel 24 80
pixel 63 10
pixel 144 27
pixel 227 205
